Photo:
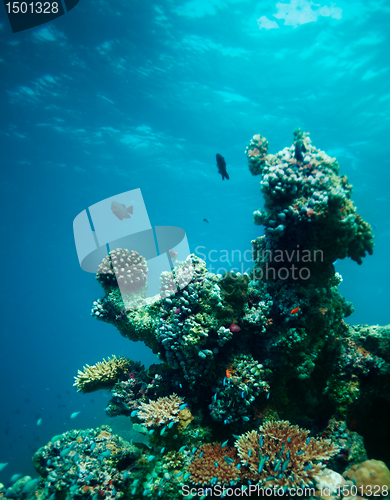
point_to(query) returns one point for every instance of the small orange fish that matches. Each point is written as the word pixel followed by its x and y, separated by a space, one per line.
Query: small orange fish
pixel 228 373
pixel 295 311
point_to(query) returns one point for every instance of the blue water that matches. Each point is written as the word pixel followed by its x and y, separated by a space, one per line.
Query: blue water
pixel 118 95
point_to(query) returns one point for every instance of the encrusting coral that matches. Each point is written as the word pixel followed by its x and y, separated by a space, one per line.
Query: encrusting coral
pixel 372 478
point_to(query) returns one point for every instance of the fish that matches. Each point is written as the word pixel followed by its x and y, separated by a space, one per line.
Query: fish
pixel 228 373
pixel 3 465
pixel 120 210
pixel 295 310
pixel 39 421
pixel 173 255
pixel 15 477
pixel 299 149
pixel 205 220
pixel 234 328
pixel 221 164
pixel 74 414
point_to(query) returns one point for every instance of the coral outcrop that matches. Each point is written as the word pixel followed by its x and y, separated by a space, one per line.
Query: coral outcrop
pixel 243 355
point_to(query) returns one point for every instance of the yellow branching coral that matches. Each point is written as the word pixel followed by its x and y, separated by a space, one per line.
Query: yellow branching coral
pixel 282 455
pixel 103 375
pixel 214 464
pixel 163 411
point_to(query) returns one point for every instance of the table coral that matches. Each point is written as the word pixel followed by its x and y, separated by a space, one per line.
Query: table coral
pixel 103 375
pixel 282 455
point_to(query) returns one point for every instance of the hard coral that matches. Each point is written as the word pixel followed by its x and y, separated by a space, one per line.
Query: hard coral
pixel 125 268
pixel 282 455
pixel 103 375
pixel 307 201
pixel 214 464
pixel 163 411
pixel 93 458
pixel 371 477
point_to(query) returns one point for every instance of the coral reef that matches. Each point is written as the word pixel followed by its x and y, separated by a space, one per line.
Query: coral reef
pixel 80 464
pixel 241 356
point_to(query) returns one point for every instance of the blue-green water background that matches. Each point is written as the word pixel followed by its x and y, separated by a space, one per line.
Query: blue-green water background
pixel 120 94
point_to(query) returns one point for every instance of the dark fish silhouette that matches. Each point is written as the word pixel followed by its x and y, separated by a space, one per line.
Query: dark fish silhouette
pixel 205 220
pixel 299 149
pixel 221 163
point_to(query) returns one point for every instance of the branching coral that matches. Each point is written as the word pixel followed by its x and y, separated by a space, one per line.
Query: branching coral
pixel 282 455
pixel 214 464
pixel 161 412
pixel 103 375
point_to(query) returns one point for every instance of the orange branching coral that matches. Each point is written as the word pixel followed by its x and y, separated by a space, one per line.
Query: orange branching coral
pixel 214 464
pixel 161 412
pixel 282 455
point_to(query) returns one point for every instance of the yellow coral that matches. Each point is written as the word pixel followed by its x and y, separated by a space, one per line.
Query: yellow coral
pixel 103 375
pixel 371 477
pixel 161 412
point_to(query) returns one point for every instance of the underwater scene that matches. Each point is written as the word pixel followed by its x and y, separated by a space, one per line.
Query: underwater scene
pixel 195 245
